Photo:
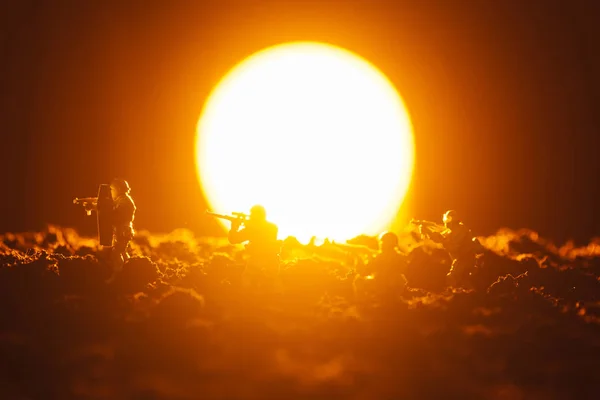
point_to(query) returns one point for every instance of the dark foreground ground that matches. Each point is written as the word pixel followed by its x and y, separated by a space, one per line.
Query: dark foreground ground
pixel 176 324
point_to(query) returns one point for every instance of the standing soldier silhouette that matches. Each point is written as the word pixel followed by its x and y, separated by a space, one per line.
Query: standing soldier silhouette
pixel 115 212
pixel 263 258
pixel 122 221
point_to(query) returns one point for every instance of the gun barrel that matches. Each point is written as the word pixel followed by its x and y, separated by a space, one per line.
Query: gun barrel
pixel 231 218
pixel 423 222
pixel 240 215
pixel 83 200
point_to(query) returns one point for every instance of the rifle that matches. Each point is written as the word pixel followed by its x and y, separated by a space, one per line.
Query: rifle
pixel 428 228
pixel 235 217
pixel 87 202
pixel 103 205
pixel 428 224
pixel 355 248
pixel 423 222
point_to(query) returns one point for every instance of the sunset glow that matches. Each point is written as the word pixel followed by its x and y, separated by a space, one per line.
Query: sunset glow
pixel 313 132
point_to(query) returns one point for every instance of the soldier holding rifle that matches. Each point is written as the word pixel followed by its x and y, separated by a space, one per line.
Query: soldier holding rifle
pixel 116 212
pixel 262 247
pixel 458 240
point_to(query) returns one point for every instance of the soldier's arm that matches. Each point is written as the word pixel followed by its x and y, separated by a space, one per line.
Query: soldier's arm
pixel 237 235
pixel 436 237
pixel 364 269
pixel 123 211
pixel 462 234
pixel 88 203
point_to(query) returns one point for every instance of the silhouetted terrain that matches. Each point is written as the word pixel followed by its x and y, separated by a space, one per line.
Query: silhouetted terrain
pixel 177 325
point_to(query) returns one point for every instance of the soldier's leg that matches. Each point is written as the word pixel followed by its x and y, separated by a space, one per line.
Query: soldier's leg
pixel 459 273
pixel 118 256
pixel 452 276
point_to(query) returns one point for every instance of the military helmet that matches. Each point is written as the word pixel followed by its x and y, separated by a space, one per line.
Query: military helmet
pixel 258 211
pixel 388 239
pixel 121 185
pixel 450 216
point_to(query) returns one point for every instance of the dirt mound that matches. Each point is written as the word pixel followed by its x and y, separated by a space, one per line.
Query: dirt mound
pixel 176 324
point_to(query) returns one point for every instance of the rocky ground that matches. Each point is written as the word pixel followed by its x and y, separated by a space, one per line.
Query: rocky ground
pixel 177 325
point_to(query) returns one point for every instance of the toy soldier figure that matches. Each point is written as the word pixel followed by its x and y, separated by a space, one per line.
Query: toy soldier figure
pixel 122 220
pixel 261 235
pixel 388 266
pixel 458 240
pixel 116 212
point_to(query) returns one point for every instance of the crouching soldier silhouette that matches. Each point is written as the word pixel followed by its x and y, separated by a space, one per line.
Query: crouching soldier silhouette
pixel 262 267
pixel 385 273
pixel 116 212
pixel 389 265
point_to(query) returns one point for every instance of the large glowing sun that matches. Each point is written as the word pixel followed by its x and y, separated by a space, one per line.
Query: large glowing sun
pixel 313 132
